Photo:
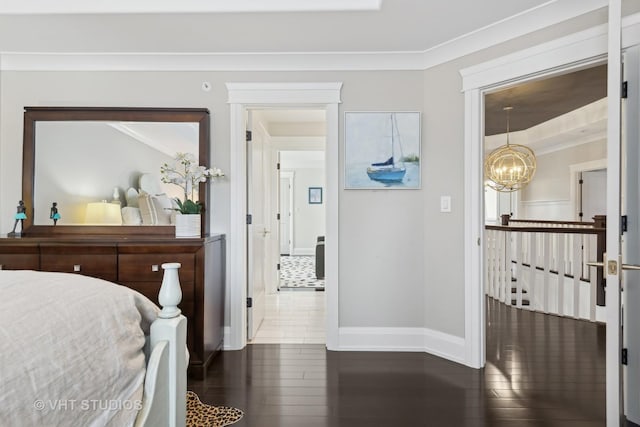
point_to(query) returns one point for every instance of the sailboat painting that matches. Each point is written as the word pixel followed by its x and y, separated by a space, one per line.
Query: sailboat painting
pixel 382 150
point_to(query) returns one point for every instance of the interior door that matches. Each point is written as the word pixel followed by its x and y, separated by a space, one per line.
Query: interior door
pixel 631 237
pixel 256 234
pixel 612 265
pixel 594 186
pixel 285 215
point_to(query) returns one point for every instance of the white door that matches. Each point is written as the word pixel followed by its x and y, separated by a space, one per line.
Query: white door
pixel 285 213
pixel 594 190
pixel 631 237
pixel 256 234
pixel 613 267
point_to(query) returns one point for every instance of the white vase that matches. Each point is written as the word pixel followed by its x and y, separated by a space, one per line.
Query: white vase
pixel 188 225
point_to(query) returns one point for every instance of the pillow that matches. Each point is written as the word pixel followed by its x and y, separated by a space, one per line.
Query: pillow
pixel 149 184
pixel 131 215
pixel 155 210
pixel 131 196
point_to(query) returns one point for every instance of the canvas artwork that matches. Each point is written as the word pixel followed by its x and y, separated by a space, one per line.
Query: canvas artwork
pixel 382 150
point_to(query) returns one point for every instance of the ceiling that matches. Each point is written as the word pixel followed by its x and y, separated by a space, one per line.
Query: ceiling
pixel 320 28
pixel 539 101
pixel 323 26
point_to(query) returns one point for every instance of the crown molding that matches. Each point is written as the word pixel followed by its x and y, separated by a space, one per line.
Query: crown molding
pixel 144 61
pixel 534 19
pixel 183 6
pixel 549 13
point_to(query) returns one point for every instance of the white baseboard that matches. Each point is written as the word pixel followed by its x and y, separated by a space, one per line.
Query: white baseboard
pixel 226 345
pixel 447 346
pixel 304 251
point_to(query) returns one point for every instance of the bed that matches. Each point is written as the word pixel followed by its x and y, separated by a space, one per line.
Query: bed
pixel 76 350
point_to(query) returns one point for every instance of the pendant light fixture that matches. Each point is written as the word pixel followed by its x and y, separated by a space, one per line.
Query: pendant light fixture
pixel 510 167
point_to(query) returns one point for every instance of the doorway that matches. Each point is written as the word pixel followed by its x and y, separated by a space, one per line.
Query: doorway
pixel 549 61
pixel 286 219
pixel 243 96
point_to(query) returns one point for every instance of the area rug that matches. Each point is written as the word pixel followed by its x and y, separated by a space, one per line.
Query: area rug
pixel 202 415
pixel 299 272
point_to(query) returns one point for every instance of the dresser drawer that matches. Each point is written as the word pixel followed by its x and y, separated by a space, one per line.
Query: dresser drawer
pixel 19 261
pixel 19 257
pixel 94 261
pixel 148 267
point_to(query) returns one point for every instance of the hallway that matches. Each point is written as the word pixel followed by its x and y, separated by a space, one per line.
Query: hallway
pixel 293 317
pixel 541 371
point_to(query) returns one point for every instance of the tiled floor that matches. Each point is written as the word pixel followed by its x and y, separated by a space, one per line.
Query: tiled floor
pixel 293 317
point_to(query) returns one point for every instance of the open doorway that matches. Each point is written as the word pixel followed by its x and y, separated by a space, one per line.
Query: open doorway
pixel 536 247
pixel 285 196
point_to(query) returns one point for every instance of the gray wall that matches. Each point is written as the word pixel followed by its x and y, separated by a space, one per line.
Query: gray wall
pixel 552 179
pixel 401 260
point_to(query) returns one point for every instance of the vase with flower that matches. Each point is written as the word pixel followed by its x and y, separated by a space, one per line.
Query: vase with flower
pixel 185 172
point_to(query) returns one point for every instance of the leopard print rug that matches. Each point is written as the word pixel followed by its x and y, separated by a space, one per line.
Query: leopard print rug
pixel 202 415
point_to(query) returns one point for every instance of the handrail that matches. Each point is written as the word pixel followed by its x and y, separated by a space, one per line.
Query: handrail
pixel 574 230
pixel 546 221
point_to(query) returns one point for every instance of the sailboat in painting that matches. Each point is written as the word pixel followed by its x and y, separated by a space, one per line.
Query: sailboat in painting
pixel 389 171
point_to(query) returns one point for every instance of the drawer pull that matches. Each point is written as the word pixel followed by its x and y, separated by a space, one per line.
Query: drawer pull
pixel 76 268
pixel 155 267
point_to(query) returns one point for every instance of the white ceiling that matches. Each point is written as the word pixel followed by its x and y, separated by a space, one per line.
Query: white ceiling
pixel 397 26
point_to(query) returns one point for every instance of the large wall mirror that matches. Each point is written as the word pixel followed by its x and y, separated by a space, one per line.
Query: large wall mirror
pixel 95 162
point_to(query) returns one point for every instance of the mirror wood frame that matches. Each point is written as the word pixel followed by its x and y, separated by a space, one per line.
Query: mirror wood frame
pixel 32 115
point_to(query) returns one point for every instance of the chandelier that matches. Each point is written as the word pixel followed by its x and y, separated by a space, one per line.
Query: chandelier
pixel 510 167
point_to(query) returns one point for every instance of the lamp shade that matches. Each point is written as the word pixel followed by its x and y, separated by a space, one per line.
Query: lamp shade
pixel 103 213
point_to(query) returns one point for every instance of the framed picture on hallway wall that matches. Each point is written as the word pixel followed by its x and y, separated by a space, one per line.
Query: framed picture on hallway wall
pixel 382 150
pixel 315 195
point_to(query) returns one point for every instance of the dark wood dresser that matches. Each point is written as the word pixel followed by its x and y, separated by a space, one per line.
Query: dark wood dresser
pixel 135 262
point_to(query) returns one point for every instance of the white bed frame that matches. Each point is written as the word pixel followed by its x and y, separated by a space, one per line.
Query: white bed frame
pixel 164 402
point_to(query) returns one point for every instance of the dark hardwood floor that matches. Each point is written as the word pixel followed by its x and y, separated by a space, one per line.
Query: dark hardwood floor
pixel 541 370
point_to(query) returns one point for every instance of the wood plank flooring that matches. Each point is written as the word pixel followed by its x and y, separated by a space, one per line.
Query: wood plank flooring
pixel 541 370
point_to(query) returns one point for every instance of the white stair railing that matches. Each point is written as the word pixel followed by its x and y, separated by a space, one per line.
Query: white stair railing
pixel 542 267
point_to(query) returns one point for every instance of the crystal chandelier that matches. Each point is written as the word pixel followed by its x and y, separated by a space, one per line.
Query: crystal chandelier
pixel 510 167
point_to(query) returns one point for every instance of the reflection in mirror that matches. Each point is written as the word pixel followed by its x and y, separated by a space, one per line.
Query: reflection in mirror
pixel 81 156
pixel 81 163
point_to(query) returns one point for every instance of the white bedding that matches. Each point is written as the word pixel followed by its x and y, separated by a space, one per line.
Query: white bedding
pixel 71 350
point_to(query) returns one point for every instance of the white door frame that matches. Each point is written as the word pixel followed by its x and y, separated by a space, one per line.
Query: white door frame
pixel 243 96
pixel 568 53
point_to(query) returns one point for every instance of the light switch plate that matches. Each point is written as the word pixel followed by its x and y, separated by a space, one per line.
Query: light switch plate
pixel 445 203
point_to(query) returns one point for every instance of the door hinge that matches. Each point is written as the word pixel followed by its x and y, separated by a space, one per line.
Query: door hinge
pixel 624 356
pixel 248 136
pixel 249 219
pixel 278 217
pixel 624 90
pixel 581 181
pixel 278 166
pixel 278 267
pixel 623 224
pixel 249 302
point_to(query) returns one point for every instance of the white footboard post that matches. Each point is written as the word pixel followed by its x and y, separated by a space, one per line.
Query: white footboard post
pixel 165 389
pixel 172 326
